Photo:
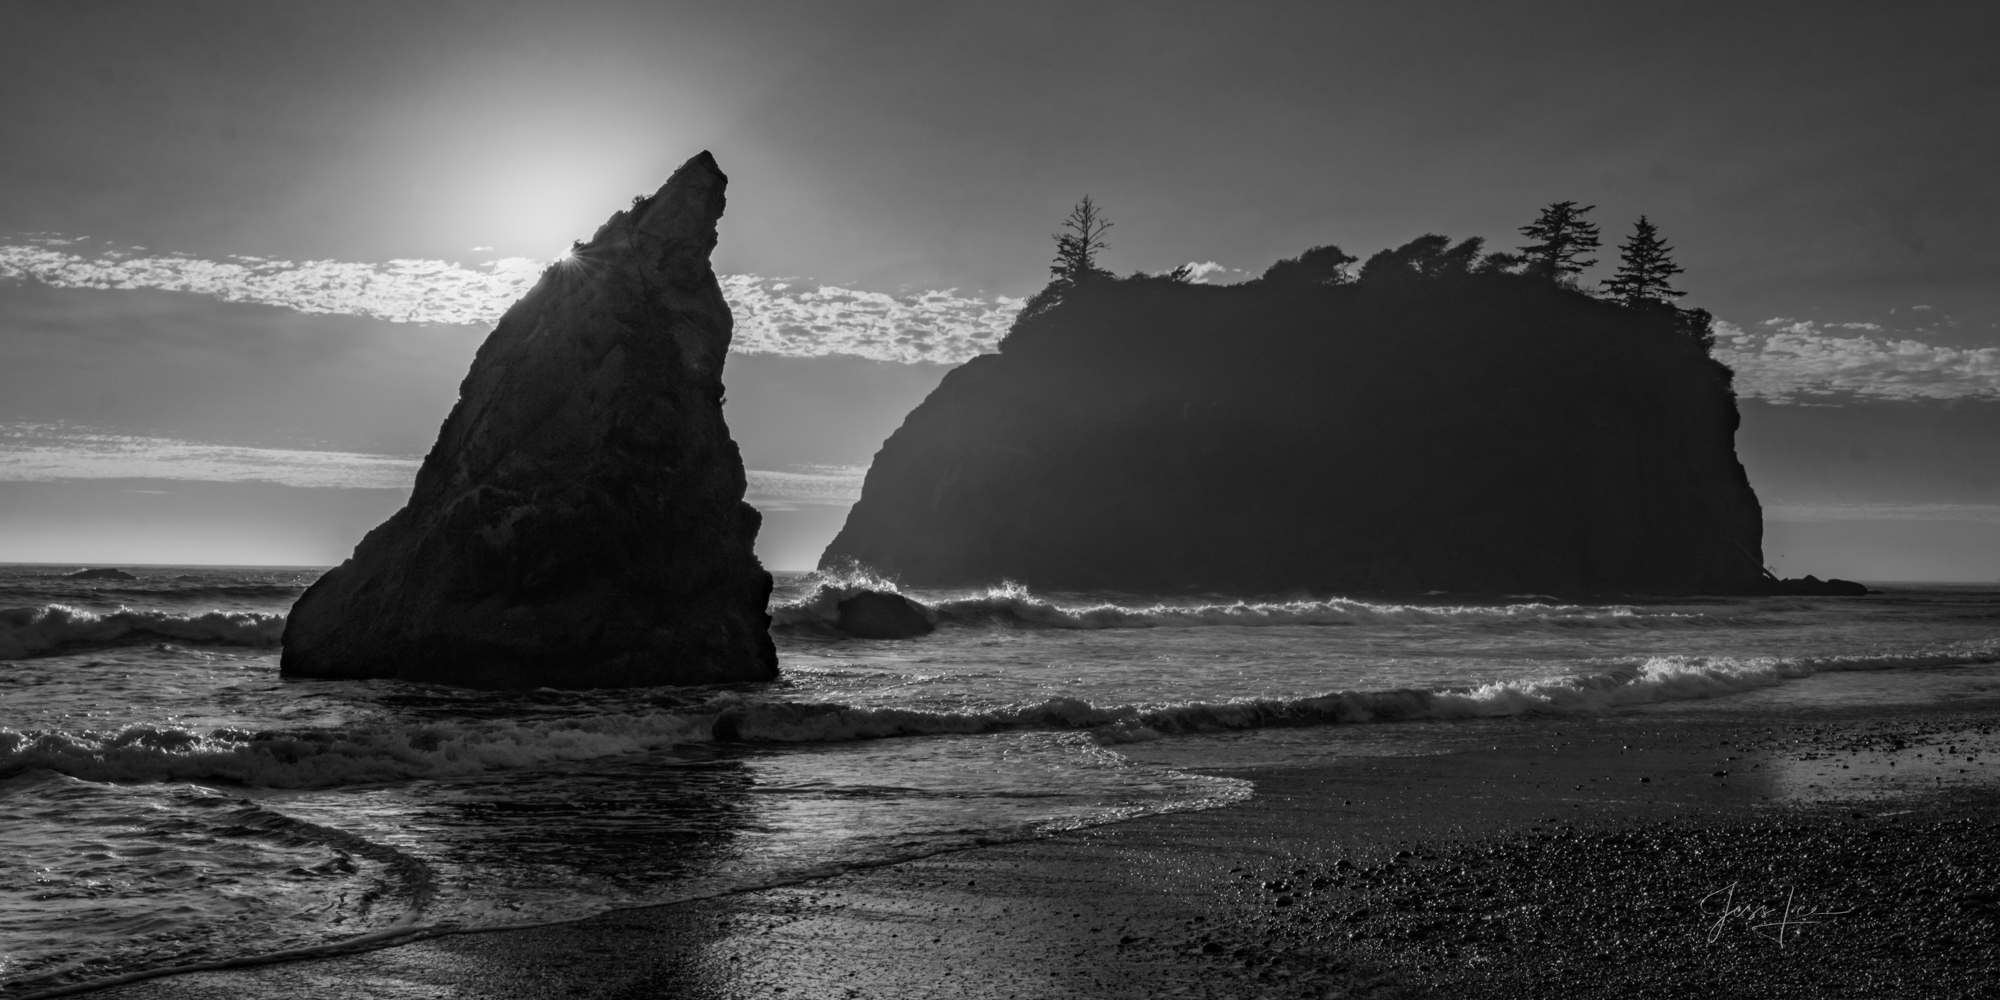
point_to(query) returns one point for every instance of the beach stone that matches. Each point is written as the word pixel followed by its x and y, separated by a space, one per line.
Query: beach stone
pixel 580 521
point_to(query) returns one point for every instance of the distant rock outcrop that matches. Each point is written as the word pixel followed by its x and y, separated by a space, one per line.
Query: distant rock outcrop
pixel 1812 586
pixel 99 574
pixel 580 521
pixel 1422 429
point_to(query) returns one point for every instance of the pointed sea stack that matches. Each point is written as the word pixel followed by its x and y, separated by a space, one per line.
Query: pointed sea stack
pixel 580 521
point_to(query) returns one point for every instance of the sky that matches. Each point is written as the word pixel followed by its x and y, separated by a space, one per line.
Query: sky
pixel 247 250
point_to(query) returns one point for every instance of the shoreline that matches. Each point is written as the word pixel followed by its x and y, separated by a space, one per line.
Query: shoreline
pixel 1526 868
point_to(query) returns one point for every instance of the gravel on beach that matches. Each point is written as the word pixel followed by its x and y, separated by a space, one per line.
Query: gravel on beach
pixel 1820 901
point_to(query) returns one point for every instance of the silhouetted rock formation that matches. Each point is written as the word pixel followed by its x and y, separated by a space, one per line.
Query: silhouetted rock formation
pixel 580 521
pixel 1467 431
pixel 1812 586
pixel 873 614
pixel 99 574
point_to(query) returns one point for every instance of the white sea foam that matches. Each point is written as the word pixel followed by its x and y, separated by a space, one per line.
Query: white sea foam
pixel 820 604
pixel 1013 601
pixel 320 758
pixel 30 631
pixel 1659 679
pixel 1014 604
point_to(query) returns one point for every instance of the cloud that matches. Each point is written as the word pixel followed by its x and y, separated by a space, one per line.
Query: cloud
pixel 798 318
pixel 1798 360
pixel 1781 359
pixel 58 452
pixel 401 291
pixel 1201 273
pixel 788 316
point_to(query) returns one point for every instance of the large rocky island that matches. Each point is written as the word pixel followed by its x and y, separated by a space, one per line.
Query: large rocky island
pixel 580 521
pixel 1433 425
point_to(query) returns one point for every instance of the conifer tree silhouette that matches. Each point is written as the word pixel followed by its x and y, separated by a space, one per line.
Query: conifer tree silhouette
pixel 1561 238
pixel 1645 270
pixel 1077 249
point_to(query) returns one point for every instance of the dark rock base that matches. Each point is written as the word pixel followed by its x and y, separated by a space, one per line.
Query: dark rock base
pixel 1812 586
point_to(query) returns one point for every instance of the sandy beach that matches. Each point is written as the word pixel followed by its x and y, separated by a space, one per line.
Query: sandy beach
pixel 1688 850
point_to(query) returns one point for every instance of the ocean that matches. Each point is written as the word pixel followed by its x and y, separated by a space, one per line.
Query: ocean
pixel 167 799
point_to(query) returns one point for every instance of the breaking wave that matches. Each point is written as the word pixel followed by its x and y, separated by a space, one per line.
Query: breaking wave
pixel 1660 679
pixel 318 758
pixel 820 605
pixel 28 632
pixel 237 591
pixel 356 755
pixel 1013 604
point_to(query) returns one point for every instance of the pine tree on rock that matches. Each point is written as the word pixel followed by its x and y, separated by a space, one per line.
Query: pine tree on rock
pixel 1562 237
pixel 1646 269
pixel 1077 249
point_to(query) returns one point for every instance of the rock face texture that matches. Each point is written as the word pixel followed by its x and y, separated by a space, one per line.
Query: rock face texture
pixel 580 521
pixel 1476 432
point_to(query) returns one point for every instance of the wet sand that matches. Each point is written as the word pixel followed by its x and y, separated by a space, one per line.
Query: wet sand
pixel 1642 853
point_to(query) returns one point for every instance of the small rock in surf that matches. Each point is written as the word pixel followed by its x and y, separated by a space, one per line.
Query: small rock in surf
pixel 1812 586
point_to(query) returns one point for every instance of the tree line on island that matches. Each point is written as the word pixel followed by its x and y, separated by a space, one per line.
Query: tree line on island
pixel 1438 419
pixel 1561 240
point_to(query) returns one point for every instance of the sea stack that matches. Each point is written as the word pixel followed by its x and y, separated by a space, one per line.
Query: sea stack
pixel 580 521
pixel 1425 428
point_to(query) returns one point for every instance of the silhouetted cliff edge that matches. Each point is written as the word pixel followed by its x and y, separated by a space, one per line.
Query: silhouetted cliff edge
pixel 580 521
pixel 1475 432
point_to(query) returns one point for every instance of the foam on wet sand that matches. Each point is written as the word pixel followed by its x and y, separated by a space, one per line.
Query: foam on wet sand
pixel 1533 857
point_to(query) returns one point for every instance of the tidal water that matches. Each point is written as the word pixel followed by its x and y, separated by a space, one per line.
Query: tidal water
pixel 165 798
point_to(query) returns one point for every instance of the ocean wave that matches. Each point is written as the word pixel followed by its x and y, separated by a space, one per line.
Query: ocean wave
pixel 1017 604
pixel 1659 679
pixel 319 758
pixel 183 592
pixel 356 755
pixel 819 606
pixel 1013 604
pixel 256 594
pixel 28 632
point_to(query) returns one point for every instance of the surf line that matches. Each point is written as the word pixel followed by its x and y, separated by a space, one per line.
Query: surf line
pixel 394 937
